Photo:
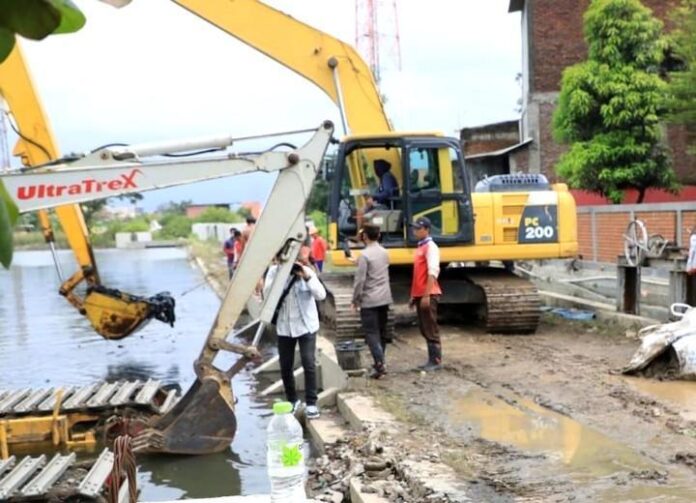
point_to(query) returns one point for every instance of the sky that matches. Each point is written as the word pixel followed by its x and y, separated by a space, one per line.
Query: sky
pixel 153 71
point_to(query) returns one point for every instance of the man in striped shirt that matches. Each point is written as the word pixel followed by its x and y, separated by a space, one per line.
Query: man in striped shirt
pixel 425 291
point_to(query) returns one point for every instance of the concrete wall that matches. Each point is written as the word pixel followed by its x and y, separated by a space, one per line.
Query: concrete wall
pixel 127 239
pixel 601 228
pixel 217 231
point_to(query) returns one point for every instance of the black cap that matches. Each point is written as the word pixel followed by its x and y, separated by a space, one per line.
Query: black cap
pixel 422 222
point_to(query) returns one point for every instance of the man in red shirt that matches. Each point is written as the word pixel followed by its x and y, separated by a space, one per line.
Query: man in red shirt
pixel 319 247
pixel 425 291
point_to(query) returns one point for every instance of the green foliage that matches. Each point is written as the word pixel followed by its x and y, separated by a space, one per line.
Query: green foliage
pixel 139 224
pixel 321 221
pixel 611 105
pixel 36 19
pixel 215 215
pixel 682 85
pixel 8 216
pixel 319 198
pixel 174 226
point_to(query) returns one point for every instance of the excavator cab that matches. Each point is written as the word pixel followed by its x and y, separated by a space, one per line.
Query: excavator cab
pixel 391 180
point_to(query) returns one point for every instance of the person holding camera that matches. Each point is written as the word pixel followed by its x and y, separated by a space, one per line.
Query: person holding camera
pixel 297 322
pixel 372 295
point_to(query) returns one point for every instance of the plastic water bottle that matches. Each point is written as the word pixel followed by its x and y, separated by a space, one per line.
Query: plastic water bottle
pixel 284 456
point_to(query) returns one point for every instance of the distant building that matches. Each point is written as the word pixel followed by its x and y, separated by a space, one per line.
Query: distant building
pixel 195 210
pixel 121 212
pixel 254 208
pixel 494 149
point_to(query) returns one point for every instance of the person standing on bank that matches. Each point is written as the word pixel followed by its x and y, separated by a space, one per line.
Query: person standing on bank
pixel 425 291
pixel 298 323
pixel 228 249
pixel 372 295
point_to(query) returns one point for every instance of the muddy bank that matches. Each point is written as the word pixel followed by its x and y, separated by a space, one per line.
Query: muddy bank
pixel 546 416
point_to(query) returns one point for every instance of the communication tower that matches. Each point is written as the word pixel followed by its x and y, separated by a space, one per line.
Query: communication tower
pixel 377 34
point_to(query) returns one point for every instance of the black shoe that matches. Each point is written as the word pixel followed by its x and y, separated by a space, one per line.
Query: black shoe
pixel 378 371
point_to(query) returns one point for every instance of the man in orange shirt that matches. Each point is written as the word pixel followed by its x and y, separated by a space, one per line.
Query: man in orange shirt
pixel 319 247
pixel 425 291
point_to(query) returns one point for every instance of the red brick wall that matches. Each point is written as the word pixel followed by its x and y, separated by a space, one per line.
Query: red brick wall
pixel 684 164
pixel 585 236
pixel 557 42
pixel 558 39
pixel 610 228
pixel 688 223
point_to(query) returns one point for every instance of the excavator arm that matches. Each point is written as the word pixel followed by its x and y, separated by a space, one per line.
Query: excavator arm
pixel 112 313
pixel 332 65
pixel 203 421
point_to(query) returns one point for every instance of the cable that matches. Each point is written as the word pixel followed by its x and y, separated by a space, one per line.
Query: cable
pixel 25 138
pixel 197 152
pixel 107 146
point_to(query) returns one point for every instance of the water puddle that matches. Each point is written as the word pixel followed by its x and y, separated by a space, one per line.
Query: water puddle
pixel 556 447
pixel 680 394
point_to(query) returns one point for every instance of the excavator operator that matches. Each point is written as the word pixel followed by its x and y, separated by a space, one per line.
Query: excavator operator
pixel 388 186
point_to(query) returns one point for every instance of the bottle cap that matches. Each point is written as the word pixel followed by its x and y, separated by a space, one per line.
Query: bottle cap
pixel 282 408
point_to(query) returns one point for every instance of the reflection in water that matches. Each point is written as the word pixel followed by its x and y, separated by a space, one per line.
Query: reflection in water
pixel 45 342
pixel 527 426
pixel 581 453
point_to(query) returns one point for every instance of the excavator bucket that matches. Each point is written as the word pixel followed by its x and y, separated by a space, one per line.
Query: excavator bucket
pixel 115 315
pixel 202 422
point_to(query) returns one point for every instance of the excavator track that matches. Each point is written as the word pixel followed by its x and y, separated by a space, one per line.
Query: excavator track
pixel 512 305
pixel 97 398
pixel 60 478
pixel 339 319
pixel 78 416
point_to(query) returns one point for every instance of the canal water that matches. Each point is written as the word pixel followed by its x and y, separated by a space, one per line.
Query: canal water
pixel 45 342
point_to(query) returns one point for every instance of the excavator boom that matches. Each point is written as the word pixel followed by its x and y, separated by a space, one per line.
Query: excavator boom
pixel 203 421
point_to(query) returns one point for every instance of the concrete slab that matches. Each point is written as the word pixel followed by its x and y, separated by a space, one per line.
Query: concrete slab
pixel 327 430
pixel 360 411
pixel 255 498
pixel 327 398
pixel 333 376
pixel 437 477
pixel 357 496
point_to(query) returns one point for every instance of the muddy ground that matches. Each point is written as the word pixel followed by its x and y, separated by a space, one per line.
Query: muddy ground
pixel 545 417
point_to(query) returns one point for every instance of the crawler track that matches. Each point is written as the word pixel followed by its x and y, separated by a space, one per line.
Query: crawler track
pixel 513 304
pixel 97 398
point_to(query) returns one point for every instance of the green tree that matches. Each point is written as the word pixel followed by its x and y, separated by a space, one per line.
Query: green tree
pixel 178 226
pixel 611 105
pixel 682 84
pixel 319 198
pixel 214 215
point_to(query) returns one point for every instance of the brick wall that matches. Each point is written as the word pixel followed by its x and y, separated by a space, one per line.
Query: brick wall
pixel 611 223
pixel 557 38
pixel 556 42
pixel 550 151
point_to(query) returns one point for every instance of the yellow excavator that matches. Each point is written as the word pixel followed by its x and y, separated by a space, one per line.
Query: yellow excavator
pixel 505 218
